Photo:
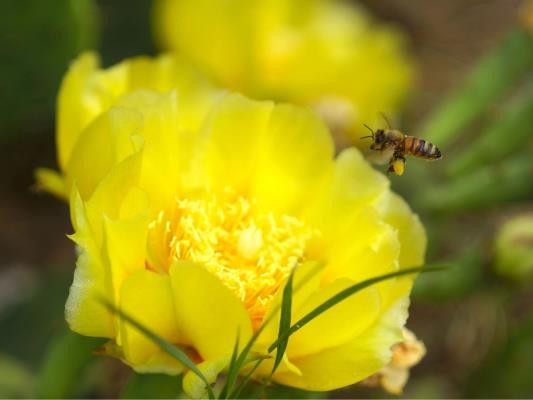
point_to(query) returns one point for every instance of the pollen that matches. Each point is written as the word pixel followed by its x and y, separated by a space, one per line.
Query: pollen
pixel 251 252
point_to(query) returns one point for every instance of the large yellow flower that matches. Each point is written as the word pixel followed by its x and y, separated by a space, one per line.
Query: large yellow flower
pixel 192 207
pixel 324 54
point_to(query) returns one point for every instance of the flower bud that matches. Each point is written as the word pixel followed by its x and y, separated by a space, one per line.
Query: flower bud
pixel 514 248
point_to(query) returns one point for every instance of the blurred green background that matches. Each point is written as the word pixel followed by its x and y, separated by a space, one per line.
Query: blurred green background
pixel 474 98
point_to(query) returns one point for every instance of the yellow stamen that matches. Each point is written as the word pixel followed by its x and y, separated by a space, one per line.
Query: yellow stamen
pixel 251 252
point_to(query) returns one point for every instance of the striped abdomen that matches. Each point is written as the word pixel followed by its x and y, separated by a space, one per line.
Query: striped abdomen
pixel 421 148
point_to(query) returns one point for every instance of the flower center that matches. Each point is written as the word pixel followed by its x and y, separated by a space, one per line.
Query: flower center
pixel 249 251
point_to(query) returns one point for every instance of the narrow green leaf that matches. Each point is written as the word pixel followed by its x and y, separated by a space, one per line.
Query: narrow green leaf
pixel 232 370
pixel 166 346
pixel 504 135
pixel 284 322
pixel 242 384
pixel 342 295
pixel 242 359
pixel 488 81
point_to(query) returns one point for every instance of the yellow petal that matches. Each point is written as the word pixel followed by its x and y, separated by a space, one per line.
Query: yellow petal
pixel 84 310
pixel 102 145
pixel 164 154
pixel 159 363
pixel 86 91
pixel 52 182
pixel 336 326
pixel 296 151
pixel 265 368
pixel 125 239
pixel 72 117
pixel 146 296
pixel 233 135
pixel 353 361
pixel 111 192
pixel 170 72
pixel 411 233
pixel 95 269
pixel 354 241
pixel 78 217
pixel 250 147
pixel 306 282
pixel 353 184
pixel 365 248
pixel 208 314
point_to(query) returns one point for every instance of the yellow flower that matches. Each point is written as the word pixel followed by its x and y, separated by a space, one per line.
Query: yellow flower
pixel 323 54
pixel 190 214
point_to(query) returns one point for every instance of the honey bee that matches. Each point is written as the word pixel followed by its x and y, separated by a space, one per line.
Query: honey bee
pixel 393 145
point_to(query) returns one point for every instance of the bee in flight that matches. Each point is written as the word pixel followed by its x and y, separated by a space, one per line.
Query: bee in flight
pixel 393 145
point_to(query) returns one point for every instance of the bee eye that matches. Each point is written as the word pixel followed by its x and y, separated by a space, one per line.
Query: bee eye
pixel 379 137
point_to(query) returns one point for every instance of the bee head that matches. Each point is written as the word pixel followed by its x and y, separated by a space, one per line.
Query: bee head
pixel 379 136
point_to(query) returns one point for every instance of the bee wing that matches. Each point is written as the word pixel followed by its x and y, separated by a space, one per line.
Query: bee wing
pixel 381 156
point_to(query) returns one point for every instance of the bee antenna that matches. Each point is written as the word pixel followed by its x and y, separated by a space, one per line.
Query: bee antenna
pixel 371 130
pixel 384 116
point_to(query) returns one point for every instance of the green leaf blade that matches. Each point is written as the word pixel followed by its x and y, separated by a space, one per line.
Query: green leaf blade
pixel 235 393
pixel 342 295
pixel 488 81
pixel 284 322
pixel 232 370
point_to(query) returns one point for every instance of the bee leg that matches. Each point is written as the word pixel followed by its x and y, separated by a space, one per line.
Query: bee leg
pixel 397 164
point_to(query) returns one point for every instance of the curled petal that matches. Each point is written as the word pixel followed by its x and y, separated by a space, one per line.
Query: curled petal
pixel 209 316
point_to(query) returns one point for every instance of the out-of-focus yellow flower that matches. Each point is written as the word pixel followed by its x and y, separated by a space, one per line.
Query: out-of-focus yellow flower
pixel 190 215
pixel 324 54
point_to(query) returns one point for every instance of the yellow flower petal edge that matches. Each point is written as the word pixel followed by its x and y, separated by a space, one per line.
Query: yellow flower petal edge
pixel 406 355
pixel 324 54
pixel 194 227
pixel 88 91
